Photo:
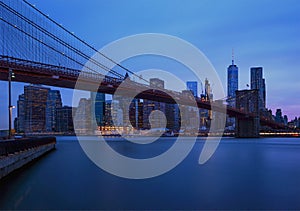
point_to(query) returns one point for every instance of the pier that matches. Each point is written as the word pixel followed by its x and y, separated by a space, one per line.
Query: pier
pixel 14 154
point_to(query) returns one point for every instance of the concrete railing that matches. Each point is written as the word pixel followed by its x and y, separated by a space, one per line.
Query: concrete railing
pixel 14 154
pixel 18 145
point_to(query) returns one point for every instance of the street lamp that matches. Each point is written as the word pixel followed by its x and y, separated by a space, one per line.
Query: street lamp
pixel 10 107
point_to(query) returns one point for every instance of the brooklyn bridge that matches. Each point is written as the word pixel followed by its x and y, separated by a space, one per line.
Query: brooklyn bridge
pixel 37 49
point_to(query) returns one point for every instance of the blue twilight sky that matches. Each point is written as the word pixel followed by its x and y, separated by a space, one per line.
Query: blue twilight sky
pixel 263 33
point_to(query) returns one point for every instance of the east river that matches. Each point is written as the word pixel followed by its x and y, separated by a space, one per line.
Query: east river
pixel 242 174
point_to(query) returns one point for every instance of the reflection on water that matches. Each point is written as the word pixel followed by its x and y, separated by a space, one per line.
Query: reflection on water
pixel 242 174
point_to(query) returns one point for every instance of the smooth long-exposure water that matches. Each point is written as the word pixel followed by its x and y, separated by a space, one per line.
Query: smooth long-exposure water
pixel 242 174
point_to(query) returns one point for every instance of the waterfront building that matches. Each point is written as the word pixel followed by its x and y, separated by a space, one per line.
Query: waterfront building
pixel 173 117
pixel 113 114
pixel 107 114
pixel 54 102
pixel 136 113
pixel 35 101
pixel 64 119
pixel 98 108
pixel 20 120
pixel 82 117
pixel 149 106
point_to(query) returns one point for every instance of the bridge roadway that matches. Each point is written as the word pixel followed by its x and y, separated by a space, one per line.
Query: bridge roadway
pixel 33 72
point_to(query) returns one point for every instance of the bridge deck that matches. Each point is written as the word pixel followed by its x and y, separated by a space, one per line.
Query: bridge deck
pixel 46 74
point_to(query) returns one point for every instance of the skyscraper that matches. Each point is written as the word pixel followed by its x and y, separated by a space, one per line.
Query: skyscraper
pixel 172 115
pixel 232 82
pixel 193 87
pixel 278 117
pixel 64 119
pixel 35 97
pixel 108 121
pixel 208 96
pixel 113 114
pixel 120 111
pixel 98 107
pixel 20 114
pixel 264 93
pixel 258 82
pixel 53 103
pixel 82 117
pixel 232 86
pixel 136 113
pixel 149 105
pixel 208 90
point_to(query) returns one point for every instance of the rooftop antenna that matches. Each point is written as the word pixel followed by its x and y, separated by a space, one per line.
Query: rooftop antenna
pixel 232 56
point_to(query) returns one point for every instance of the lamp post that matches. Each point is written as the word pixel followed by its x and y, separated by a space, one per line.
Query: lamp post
pixel 10 107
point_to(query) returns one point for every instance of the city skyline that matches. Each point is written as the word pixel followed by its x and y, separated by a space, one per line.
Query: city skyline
pixel 115 98
pixel 275 49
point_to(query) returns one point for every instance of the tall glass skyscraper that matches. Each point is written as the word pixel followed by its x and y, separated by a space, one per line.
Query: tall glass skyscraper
pixel 21 113
pixel 53 103
pixel 232 83
pixel 258 82
pixel 64 119
pixel 82 117
pixel 192 86
pixel 149 106
pixel 98 107
pixel 35 97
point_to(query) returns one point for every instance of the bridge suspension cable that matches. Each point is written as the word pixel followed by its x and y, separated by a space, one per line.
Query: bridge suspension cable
pixel 85 43
pixel 52 36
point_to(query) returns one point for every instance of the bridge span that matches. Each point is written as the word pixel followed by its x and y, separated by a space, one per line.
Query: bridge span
pixel 40 50
pixel 46 74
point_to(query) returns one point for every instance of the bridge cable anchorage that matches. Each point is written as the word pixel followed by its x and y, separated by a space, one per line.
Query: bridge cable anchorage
pixel 44 31
pixel 85 43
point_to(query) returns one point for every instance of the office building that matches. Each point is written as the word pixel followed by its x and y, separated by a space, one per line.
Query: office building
pixel 107 114
pixel 98 107
pixel 278 116
pixel 232 83
pixel 20 120
pixel 64 119
pixel 208 91
pixel 53 103
pixel 208 96
pixel 121 112
pixel 35 98
pixel 149 106
pixel 173 117
pixel 258 82
pixel 82 118
pixel 113 114
pixel 232 86
pixel 136 113
pixel 193 87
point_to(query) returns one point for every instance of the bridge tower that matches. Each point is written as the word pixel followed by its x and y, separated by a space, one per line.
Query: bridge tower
pixel 248 126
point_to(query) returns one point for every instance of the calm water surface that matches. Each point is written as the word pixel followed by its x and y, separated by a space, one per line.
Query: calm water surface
pixel 242 174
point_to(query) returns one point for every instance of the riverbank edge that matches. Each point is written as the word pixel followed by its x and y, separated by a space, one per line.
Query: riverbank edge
pixel 12 162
